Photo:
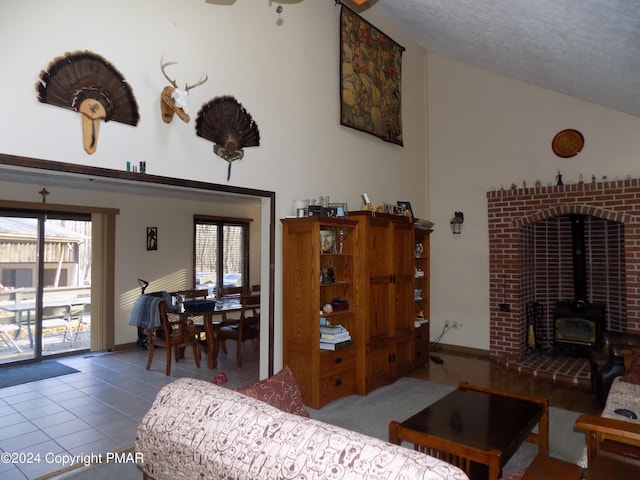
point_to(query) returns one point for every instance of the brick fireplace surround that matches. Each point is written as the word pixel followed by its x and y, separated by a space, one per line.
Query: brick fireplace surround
pixel 530 256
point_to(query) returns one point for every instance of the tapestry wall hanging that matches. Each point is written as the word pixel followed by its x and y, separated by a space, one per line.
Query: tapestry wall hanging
pixel 370 74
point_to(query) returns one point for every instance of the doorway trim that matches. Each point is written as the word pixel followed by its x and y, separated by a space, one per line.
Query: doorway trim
pixel 71 175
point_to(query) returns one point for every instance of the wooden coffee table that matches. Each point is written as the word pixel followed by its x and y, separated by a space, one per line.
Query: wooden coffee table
pixel 477 429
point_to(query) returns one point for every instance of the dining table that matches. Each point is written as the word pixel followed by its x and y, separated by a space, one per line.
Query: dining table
pixel 210 321
pixel 19 309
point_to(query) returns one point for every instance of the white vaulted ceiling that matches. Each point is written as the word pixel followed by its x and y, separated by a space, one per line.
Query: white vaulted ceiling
pixel 588 49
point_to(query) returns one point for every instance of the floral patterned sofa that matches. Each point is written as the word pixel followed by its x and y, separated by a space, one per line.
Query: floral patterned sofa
pixel 196 429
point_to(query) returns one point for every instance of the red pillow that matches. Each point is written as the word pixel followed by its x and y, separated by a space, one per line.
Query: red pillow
pixel 281 391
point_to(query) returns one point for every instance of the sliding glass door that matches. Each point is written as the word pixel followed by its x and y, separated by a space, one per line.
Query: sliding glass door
pixel 45 284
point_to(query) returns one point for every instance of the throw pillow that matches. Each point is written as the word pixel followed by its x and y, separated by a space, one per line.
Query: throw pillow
pixel 632 374
pixel 281 391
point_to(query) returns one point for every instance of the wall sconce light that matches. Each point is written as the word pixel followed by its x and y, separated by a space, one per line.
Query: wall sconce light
pixel 456 222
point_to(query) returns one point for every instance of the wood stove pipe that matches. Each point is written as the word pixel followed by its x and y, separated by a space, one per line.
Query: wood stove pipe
pixel 579 258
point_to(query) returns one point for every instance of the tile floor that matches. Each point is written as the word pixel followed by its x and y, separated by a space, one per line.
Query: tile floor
pixel 97 409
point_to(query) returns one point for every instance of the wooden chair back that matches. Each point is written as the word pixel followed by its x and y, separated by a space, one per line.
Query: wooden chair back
pixel 247 327
pixel 230 292
pixel 250 310
pixel 611 441
pixel 175 337
pixel 194 294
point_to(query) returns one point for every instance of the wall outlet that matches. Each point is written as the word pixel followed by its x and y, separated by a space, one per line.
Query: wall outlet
pixel 457 324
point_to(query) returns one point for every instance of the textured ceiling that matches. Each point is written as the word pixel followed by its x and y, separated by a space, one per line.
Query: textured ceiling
pixel 589 49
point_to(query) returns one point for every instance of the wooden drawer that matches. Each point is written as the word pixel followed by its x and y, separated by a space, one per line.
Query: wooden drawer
pixel 336 385
pixel 337 374
pixel 335 361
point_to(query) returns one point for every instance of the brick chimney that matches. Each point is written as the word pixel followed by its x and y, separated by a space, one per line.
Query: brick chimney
pixel 530 255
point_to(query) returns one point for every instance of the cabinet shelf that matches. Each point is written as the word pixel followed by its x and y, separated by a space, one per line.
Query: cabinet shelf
pixel 335 284
pixel 335 314
pixel 421 300
pixel 310 254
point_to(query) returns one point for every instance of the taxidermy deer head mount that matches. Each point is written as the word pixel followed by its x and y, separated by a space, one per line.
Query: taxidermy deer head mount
pixel 174 100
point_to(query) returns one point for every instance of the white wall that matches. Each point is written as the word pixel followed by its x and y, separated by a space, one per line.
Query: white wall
pixel 487 131
pixel 285 75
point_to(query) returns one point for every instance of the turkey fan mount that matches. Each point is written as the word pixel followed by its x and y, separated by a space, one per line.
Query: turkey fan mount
pixel 229 126
pixel 87 83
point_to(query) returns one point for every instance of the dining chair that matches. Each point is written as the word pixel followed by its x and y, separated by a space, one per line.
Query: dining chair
pixel 83 317
pixel 246 328
pixel 230 292
pixel 194 294
pixel 58 316
pixel 7 331
pixel 175 334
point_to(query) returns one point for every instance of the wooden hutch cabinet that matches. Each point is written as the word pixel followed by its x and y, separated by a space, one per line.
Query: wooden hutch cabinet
pixel 317 273
pixel 385 308
pixel 422 295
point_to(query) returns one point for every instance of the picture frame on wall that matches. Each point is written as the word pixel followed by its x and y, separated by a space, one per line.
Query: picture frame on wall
pixel 152 238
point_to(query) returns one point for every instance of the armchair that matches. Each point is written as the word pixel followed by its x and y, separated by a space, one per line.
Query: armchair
pixel 613 447
pixel 609 362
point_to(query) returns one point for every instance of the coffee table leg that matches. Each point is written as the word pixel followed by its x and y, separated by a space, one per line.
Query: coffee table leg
pixel 543 431
pixel 393 432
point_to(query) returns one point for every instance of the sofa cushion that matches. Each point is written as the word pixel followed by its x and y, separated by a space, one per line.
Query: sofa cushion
pixel 280 391
pixel 632 374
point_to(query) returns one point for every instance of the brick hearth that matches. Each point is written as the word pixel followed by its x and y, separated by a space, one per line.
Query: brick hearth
pixel 523 220
pixel 569 370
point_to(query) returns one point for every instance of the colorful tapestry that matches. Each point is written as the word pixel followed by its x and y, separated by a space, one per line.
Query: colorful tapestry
pixel 370 68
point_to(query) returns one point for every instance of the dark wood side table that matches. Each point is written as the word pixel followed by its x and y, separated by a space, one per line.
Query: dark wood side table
pixel 549 468
pixel 477 429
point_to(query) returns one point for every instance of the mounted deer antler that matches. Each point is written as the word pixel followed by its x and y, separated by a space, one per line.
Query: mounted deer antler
pixel 174 100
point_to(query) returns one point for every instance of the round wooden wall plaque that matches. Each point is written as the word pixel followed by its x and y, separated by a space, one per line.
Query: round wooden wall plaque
pixel 567 143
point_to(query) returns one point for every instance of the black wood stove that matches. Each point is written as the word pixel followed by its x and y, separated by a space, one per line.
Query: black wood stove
pixel 578 324
pixel 577 327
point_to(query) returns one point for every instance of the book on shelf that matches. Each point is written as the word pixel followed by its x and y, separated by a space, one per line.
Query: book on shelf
pixel 332 329
pixel 335 337
pixel 335 346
